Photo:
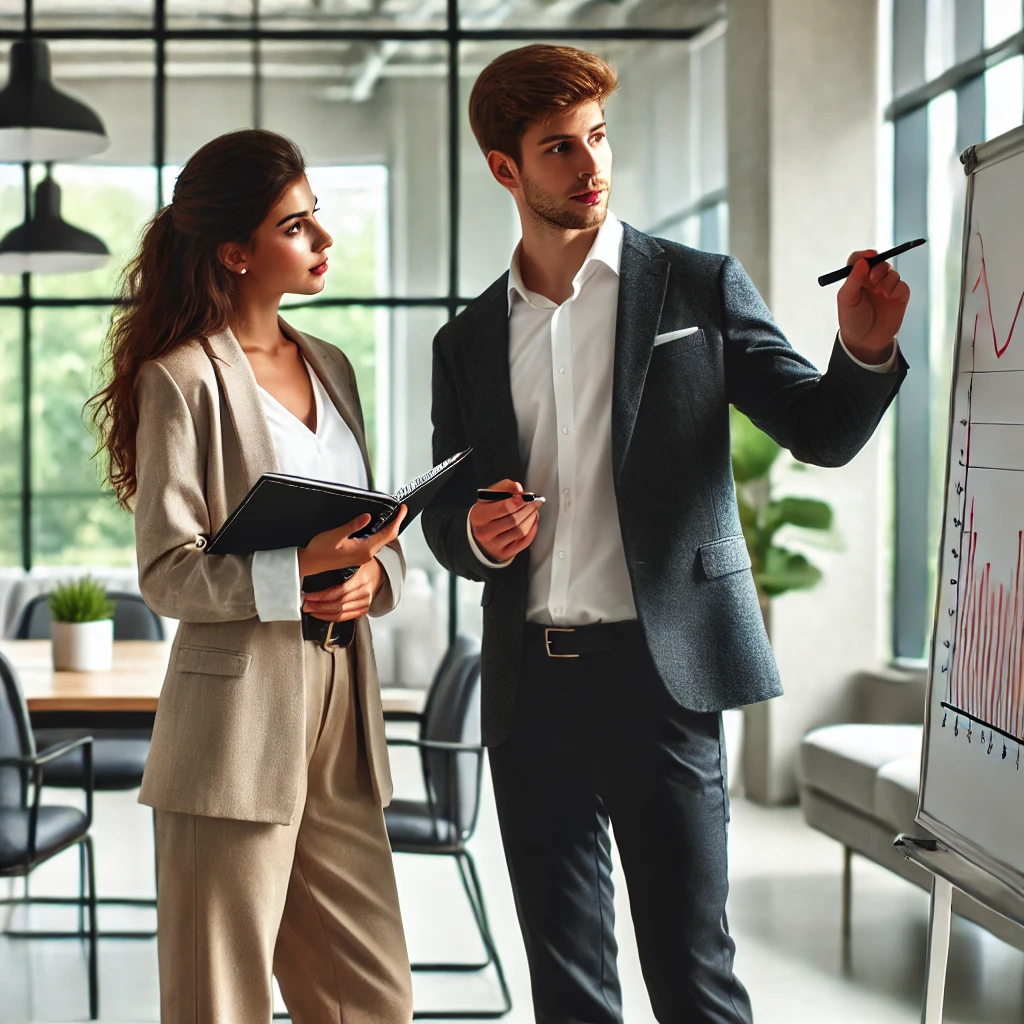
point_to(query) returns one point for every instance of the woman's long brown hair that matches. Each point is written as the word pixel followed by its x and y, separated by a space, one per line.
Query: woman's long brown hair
pixel 176 289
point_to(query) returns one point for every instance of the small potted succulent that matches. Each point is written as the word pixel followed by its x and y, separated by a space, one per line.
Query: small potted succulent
pixel 82 626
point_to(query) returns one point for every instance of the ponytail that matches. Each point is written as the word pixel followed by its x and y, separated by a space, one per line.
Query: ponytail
pixel 176 289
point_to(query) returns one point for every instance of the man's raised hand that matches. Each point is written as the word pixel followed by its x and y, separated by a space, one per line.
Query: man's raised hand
pixel 871 304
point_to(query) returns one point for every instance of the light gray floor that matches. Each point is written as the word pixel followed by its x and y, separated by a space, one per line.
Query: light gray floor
pixel 784 913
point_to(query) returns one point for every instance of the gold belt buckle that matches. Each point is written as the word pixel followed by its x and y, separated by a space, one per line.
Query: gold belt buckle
pixel 548 630
pixel 330 643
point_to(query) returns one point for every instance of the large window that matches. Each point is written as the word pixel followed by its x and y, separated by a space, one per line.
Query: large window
pixel 957 79
pixel 375 94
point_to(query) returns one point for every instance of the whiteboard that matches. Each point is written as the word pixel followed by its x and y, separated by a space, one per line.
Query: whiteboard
pixel 972 778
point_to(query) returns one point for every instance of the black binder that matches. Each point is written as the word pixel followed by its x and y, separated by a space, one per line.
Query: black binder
pixel 282 511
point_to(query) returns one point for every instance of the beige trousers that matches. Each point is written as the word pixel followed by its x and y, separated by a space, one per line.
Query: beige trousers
pixel 314 903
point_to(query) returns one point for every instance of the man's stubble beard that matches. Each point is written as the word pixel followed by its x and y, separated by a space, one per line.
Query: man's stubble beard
pixel 545 206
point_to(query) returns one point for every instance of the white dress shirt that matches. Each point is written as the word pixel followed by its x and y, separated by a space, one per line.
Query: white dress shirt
pixel 561 359
pixel 330 453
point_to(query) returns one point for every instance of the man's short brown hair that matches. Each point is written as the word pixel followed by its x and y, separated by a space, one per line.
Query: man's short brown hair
pixel 531 83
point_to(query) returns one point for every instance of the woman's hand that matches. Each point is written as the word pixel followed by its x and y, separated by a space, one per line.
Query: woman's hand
pixel 351 600
pixel 338 549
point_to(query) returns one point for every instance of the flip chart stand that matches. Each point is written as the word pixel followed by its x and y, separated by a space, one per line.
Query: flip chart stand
pixel 950 871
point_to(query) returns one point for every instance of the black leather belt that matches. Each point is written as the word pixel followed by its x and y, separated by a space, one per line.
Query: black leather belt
pixel 577 641
pixel 329 635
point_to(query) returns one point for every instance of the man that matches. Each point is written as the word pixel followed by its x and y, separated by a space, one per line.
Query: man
pixel 621 618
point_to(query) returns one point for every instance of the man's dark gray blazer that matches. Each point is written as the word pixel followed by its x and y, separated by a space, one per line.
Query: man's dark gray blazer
pixel 687 560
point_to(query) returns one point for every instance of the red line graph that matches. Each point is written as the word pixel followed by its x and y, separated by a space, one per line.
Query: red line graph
pixel 986 678
pixel 982 280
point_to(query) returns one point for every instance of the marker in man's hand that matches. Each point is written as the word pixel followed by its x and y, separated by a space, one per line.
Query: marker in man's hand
pixel 844 272
pixel 485 495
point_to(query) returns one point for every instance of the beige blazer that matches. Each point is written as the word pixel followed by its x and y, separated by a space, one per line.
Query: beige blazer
pixel 229 736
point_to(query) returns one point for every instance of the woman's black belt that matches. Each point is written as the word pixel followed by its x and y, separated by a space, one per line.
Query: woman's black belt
pixel 328 635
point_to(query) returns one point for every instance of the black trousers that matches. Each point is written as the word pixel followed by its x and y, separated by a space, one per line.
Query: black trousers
pixel 597 738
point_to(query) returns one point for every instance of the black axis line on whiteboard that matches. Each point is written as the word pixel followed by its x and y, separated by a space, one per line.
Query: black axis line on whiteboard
pixel 981 721
pixel 959 524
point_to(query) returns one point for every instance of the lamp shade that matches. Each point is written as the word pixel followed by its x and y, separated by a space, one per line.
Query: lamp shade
pixel 38 122
pixel 47 244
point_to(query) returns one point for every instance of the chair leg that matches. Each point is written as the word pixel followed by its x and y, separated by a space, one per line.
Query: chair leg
pixel 94 995
pixel 847 908
pixel 474 893
pixel 81 887
pixel 485 930
pixel 479 914
pixel 103 901
pixel 461 967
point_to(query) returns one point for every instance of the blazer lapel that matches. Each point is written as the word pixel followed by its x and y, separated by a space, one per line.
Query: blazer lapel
pixel 238 385
pixel 490 392
pixel 643 278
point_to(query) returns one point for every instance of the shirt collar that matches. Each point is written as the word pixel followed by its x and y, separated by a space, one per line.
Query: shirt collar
pixel 607 249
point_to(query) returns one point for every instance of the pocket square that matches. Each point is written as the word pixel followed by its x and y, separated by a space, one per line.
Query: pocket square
pixel 673 335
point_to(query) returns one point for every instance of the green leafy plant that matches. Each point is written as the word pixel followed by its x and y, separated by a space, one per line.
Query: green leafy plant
pixel 82 600
pixel 776 569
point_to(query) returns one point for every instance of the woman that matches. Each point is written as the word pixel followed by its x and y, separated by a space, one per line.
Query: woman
pixel 268 768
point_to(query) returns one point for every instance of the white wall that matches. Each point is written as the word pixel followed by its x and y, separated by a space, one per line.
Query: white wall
pixel 803 137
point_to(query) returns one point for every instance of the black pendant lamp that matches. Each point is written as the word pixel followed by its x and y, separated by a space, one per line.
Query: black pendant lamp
pixel 46 243
pixel 38 122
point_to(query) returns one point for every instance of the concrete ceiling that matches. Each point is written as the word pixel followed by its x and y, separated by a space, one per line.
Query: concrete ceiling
pixel 376 13
pixel 349 70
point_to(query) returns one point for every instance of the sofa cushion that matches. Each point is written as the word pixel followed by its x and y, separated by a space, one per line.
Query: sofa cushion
pixel 842 760
pixel 896 793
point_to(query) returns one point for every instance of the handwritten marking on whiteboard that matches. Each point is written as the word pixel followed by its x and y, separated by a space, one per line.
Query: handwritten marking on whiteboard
pixel 983 281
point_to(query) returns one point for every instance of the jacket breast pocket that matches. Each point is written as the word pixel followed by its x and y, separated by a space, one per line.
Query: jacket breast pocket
pixel 674 343
pixel 724 557
pixel 212 661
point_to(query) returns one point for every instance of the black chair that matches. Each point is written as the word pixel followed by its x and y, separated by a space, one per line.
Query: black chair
pixel 118 760
pixel 133 619
pixel 451 756
pixel 31 833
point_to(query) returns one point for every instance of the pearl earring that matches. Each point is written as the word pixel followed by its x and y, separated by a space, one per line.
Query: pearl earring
pixel 242 271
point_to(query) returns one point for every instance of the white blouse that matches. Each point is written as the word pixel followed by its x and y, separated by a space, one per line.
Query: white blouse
pixel 331 453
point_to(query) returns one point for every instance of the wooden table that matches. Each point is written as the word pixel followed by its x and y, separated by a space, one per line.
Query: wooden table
pixel 128 692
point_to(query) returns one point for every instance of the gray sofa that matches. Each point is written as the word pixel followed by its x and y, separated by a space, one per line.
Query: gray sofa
pixel 858 784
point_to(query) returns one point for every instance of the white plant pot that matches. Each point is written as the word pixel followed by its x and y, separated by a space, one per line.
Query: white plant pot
pixel 83 646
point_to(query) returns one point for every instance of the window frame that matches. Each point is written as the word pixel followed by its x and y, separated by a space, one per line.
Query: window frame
pixel 453 35
pixel 912 598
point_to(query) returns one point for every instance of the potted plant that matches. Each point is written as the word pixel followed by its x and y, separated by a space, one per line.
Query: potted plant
pixel 82 626
pixel 776 569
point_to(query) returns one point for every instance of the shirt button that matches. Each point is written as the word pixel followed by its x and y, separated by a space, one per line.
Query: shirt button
pixel 565 430
pixel 561 554
pixel 565 490
pixel 558 610
pixel 561 369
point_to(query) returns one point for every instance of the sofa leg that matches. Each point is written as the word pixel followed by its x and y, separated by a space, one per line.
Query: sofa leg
pixel 847 891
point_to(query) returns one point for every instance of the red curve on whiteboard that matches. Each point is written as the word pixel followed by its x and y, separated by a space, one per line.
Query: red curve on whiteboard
pixel 983 279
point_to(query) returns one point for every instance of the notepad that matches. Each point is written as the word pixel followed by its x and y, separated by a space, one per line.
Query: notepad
pixel 282 511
